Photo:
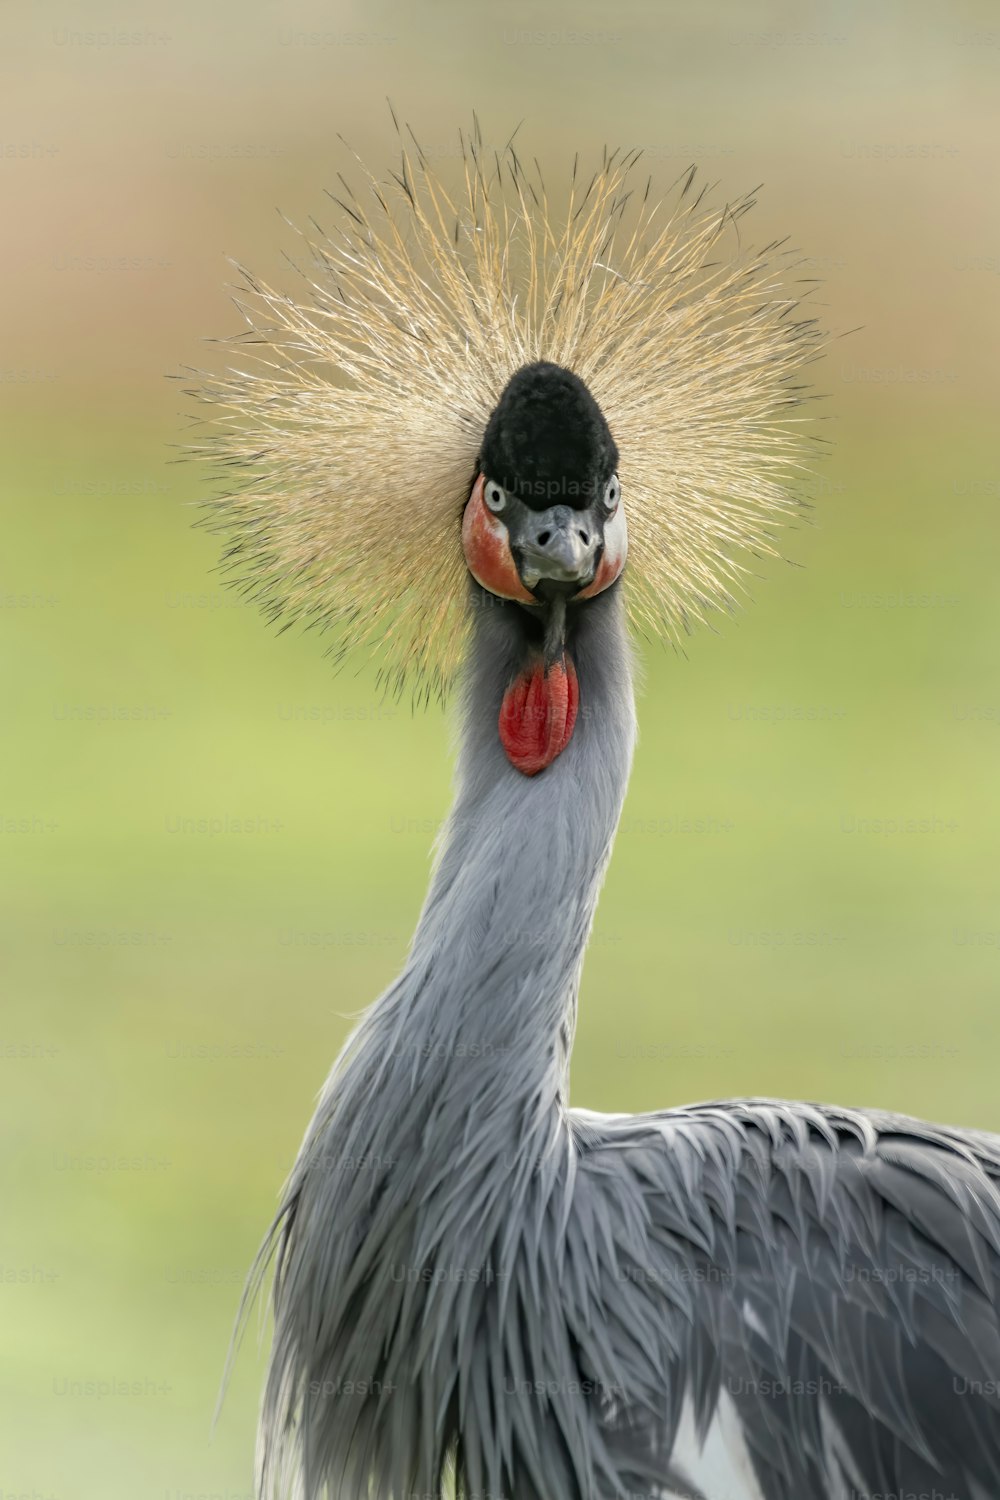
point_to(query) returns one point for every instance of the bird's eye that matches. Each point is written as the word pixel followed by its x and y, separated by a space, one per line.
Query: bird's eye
pixel 494 497
pixel 612 494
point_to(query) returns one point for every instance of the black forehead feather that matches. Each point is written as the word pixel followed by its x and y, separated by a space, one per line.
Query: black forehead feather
pixel 547 440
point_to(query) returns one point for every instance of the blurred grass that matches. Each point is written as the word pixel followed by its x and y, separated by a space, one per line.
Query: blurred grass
pixel 175 997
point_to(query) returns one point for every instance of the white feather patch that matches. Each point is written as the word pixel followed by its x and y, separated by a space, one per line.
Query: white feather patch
pixel 720 1468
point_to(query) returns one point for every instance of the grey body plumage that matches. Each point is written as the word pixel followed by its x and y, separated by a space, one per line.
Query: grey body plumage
pixel 470 1271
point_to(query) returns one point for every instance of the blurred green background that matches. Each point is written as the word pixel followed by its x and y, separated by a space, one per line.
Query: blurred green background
pixel 804 897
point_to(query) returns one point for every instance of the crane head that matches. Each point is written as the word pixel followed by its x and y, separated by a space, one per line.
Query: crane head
pixel 544 520
pixel 545 526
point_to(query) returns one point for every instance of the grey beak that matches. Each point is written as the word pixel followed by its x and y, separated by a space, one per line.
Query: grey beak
pixel 558 546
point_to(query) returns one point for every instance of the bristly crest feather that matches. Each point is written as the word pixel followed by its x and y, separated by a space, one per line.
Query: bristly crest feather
pixel 356 416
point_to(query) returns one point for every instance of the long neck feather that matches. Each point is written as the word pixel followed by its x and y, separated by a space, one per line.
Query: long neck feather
pixel 494 967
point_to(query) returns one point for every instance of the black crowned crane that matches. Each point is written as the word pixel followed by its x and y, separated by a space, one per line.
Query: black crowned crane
pixel 489 436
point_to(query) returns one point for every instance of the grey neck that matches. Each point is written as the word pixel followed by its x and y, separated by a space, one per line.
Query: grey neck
pixel 488 997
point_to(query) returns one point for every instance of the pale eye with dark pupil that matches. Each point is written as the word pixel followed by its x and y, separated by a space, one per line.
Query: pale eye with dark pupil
pixel 495 498
pixel 613 493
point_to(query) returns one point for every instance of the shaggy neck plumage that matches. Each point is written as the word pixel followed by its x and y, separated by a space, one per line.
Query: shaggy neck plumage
pixel 441 1131
pixel 495 962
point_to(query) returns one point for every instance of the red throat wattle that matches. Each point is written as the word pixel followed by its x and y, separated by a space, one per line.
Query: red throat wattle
pixel 538 714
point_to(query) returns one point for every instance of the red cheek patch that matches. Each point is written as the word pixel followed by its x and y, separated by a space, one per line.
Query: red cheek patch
pixel 487 550
pixel 538 714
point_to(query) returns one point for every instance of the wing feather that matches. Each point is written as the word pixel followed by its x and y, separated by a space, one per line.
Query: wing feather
pixel 832 1274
